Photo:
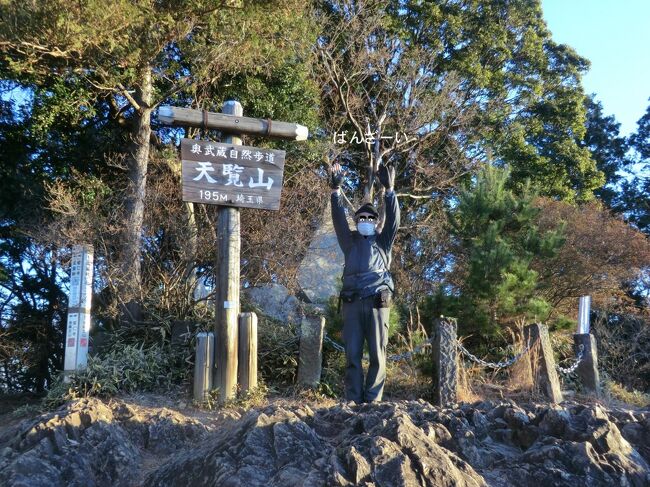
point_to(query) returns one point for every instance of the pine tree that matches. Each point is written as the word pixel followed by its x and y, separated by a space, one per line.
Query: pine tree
pixel 496 239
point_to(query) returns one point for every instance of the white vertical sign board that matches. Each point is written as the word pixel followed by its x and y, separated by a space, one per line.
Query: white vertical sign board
pixel 78 325
pixel 584 309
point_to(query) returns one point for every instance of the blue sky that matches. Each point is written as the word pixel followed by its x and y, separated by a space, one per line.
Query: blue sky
pixel 615 37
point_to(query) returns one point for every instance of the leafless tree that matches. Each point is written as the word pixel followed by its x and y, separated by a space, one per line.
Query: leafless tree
pixel 382 87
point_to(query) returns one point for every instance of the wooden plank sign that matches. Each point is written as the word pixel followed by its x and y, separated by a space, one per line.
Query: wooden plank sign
pixel 231 175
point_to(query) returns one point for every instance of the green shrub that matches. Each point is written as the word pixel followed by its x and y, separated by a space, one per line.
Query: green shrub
pixel 125 368
pixel 422 360
pixel 277 351
pixel 333 372
pixel 562 323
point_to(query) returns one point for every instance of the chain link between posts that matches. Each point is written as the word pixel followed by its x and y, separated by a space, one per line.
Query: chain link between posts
pixel 418 349
pixel 568 370
pixel 494 365
pixel 394 358
pixel 410 353
pixel 336 346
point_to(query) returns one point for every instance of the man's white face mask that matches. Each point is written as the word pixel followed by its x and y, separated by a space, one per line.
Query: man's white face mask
pixel 366 228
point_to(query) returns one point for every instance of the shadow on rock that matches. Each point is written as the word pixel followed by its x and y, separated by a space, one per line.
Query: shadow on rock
pixel 392 444
pixel 89 443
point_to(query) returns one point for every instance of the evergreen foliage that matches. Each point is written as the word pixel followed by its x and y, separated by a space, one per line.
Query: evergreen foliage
pixel 609 150
pixel 636 192
pixel 496 237
pixel 125 368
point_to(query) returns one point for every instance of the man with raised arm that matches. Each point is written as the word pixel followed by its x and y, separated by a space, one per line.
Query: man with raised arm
pixel 367 285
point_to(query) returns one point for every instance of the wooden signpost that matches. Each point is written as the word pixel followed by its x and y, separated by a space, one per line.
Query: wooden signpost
pixel 233 123
pixel 232 176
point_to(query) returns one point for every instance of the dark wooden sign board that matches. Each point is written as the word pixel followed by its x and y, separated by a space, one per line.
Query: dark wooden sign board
pixel 231 175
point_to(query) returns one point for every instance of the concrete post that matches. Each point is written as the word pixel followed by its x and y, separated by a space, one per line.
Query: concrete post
pixel 445 362
pixel 79 305
pixel 542 362
pixel 310 360
pixel 587 369
pixel 203 363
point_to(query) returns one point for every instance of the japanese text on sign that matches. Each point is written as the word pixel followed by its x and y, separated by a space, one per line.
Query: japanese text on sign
pixel 79 305
pixel 231 175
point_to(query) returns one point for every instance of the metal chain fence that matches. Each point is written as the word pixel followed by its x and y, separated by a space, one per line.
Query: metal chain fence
pixel 418 349
pixel 395 358
pixel 494 365
pixel 336 346
pixel 410 353
pixel 568 370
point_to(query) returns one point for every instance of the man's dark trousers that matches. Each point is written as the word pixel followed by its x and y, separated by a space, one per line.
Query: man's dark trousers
pixel 363 320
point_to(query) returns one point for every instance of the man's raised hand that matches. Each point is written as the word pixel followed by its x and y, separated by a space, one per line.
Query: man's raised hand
pixel 336 176
pixel 386 176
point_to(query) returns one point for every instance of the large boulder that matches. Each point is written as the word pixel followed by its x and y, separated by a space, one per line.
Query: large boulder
pixel 275 301
pixel 343 445
pixel 273 447
pixel 319 274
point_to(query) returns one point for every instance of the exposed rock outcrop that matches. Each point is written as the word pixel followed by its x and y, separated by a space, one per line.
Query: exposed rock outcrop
pixel 386 444
pixel 89 443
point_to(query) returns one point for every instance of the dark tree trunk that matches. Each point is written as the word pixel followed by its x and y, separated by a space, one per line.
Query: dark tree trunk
pixel 138 158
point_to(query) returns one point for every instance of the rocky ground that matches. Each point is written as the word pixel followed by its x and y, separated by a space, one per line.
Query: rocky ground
pixel 127 443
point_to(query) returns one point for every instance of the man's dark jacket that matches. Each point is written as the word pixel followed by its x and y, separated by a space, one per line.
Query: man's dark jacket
pixel 367 259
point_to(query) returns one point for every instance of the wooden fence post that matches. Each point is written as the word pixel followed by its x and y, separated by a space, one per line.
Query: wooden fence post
pixel 545 376
pixel 587 369
pixel 227 295
pixel 203 364
pixel 445 362
pixel 247 367
pixel 311 350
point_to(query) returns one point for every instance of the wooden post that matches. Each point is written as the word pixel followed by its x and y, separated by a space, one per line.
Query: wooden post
pixel 311 350
pixel 587 369
pixel 232 122
pixel 227 295
pixel 445 362
pixel 542 362
pixel 247 369
pixel 203 363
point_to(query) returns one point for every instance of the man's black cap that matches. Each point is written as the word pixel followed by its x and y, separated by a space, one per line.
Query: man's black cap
pixel 368 208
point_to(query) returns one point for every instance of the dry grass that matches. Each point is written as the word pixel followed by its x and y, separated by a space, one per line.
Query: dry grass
pixel 468 390
pixel 615 394
pixel 404 380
